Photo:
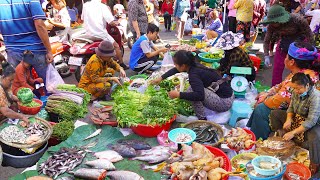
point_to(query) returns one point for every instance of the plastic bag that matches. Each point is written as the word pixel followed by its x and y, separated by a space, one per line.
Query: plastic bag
pixel 53 78
pixel 167 59
pixel 251 94
pixel 163 140
pixel 188 27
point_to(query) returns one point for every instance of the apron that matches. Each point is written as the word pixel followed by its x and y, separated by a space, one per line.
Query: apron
pixel 296 122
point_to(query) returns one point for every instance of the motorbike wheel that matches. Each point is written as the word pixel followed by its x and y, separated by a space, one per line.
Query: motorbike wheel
pixel 130 42
pixel 66 71
pixel 79 72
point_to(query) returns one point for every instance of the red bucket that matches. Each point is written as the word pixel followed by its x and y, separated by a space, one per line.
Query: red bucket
pixel 256 62
pixel 298 169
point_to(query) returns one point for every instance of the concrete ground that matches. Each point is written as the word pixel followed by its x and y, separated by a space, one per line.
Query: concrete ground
pixel 264 76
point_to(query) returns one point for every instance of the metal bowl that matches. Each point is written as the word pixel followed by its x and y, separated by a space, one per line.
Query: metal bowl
pixel 14 157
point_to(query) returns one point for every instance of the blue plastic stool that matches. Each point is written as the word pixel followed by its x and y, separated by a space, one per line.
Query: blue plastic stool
pixel 239 110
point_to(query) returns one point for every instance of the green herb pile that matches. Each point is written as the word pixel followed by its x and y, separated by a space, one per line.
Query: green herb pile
pixel 151 108
pixel 63 130
pixel 184 107
pixel 191 42
pixel 167 85
pixel 25 95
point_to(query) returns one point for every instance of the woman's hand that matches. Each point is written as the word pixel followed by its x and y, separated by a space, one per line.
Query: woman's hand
pixel 116 80
pixel 174 94
pixel 288 136
pixel 287 124
pixel 156 81
pixel 25 119
pixel 122 73
pixel 15 98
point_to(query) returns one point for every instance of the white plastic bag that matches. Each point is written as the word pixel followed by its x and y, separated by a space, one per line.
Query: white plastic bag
pixel 53 78
pixel 188 27
pixel 167 59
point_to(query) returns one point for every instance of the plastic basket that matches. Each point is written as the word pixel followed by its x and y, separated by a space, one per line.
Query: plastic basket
pixel 175 132
pixel 208 60
pixel 253 139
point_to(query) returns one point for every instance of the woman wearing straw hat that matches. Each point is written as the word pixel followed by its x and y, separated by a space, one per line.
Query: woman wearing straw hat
pixel 98 74
pixel 234 55
pixel 290 28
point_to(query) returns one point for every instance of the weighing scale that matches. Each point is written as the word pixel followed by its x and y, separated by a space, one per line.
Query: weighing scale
pixel 239 83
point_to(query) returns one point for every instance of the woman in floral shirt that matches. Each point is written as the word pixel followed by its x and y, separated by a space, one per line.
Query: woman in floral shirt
pixel 302 57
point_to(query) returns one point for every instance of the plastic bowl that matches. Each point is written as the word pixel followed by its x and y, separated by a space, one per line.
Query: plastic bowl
pixel 253 139
pixel 239 156
pixel 275 177
pixel 151 131
pixel 173 134
pixel 266 172
pixel 30 110
pixel 208 60
pixel 298 169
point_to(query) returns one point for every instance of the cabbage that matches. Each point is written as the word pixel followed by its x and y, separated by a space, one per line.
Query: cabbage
pixel 25 95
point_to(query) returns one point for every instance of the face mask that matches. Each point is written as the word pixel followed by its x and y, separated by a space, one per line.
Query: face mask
pixel 303 94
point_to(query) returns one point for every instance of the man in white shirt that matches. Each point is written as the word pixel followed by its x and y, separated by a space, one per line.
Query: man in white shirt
pixel 315 18
pixel 95 16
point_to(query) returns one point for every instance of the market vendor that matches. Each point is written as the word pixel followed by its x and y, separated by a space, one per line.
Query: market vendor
pixel 23 77
pixel 290 27
pixel 301 58
pixel 207 88
pixel 99 72
pixel 143 53
pixel 8 101
pixel 215 29
pixel 301 121
pixel 234 55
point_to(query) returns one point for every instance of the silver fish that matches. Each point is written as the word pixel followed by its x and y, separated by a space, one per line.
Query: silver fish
pixel 96 133
pixel 110 155
pixel 101 164
pixel 124 175
pixel 157 150
pixel 152 159
pixel 146 167
pixel 90 174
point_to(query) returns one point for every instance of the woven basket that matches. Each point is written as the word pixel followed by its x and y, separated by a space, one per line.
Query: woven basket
pixel 23 146
pixel 283 153
pixel 198 123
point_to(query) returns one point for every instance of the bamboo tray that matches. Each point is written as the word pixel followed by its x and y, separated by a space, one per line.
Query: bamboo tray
pixel 45 138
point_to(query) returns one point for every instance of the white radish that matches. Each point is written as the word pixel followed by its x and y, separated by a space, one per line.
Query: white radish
pixel 96 133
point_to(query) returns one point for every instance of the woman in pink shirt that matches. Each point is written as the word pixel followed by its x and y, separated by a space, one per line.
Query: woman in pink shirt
pixel 232 16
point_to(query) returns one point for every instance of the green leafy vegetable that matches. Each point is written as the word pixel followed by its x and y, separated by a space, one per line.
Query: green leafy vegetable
pixel 25 95
pixel 184 107
pixel 63 130
pixel 168 85
pixel 31 104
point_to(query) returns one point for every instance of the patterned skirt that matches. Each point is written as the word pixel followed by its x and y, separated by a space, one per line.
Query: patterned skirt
pixel 244 28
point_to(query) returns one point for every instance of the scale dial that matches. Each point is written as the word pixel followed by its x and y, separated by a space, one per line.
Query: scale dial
pixel 239 83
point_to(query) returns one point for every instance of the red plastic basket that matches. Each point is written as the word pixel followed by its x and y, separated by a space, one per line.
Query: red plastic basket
pixel 30 110
pixel 256 62
pixel 253 139
pixel 217 152
pixel 152 131
pixel 298 169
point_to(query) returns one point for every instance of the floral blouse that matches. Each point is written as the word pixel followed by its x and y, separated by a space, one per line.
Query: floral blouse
pixel 280 98
pixel 4 102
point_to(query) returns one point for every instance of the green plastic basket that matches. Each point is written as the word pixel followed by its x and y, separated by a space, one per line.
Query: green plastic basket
pixel 143 76
pixel 208 60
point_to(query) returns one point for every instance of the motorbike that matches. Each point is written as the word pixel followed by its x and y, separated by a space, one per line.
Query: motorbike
pixel 60 57
pixel 82 49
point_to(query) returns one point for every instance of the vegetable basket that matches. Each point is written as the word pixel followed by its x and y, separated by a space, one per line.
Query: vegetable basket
pixel 152 131
pixel 208 60
pixel 198 123
pixel 24 146
pixel 30 110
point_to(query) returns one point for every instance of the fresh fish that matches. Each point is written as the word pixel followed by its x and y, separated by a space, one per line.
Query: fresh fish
pixel 146 167
pixel 157 150
pixel 101 164
pixel 124 175
pixel 96 133
pixel 135 144
pixel 152 159
pixel 123 150
pixel 66 178
pixel 110 155
pixel 90 174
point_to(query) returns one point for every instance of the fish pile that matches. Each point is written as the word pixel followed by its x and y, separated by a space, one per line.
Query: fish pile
pixel 128 148
pixel 195 163
pixel 101 114
pixel 183 137
pixel 64 160
pixel 154 155
pixel 13 134
pixel 268 165
pixel 206 134
pixel 239 139
pixel 184 47
pixel 294 176
pixel 35 129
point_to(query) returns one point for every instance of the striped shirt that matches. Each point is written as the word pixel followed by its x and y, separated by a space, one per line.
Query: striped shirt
pixel 17 25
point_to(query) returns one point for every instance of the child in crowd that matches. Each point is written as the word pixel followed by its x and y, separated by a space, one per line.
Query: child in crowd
pixel 60 20
pixel 73 12
pixel 202 13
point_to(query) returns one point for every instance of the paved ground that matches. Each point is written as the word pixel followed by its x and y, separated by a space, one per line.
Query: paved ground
pixel 263 75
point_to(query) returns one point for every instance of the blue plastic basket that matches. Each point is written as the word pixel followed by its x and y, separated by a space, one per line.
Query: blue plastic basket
pixel 208 60
pixel 276 177
pixel 266 172
pixel 175 132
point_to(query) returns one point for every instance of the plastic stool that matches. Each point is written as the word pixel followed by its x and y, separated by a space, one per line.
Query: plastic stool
pixel 239 110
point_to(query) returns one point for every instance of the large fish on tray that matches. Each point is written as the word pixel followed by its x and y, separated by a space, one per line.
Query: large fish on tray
pixel 155 155
pixel 123 150
pixel 90 174
pixel 135 144
pixel 110 155
pixel 101 164
pixel 124 175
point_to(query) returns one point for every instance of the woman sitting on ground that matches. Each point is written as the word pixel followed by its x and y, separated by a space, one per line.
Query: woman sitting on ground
pixel 301 121
pixel 301 58
pixel 234 55
pixel 215 29
pixel 23 77
pixel 8 101
pixel 207 88
pixel 99 72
